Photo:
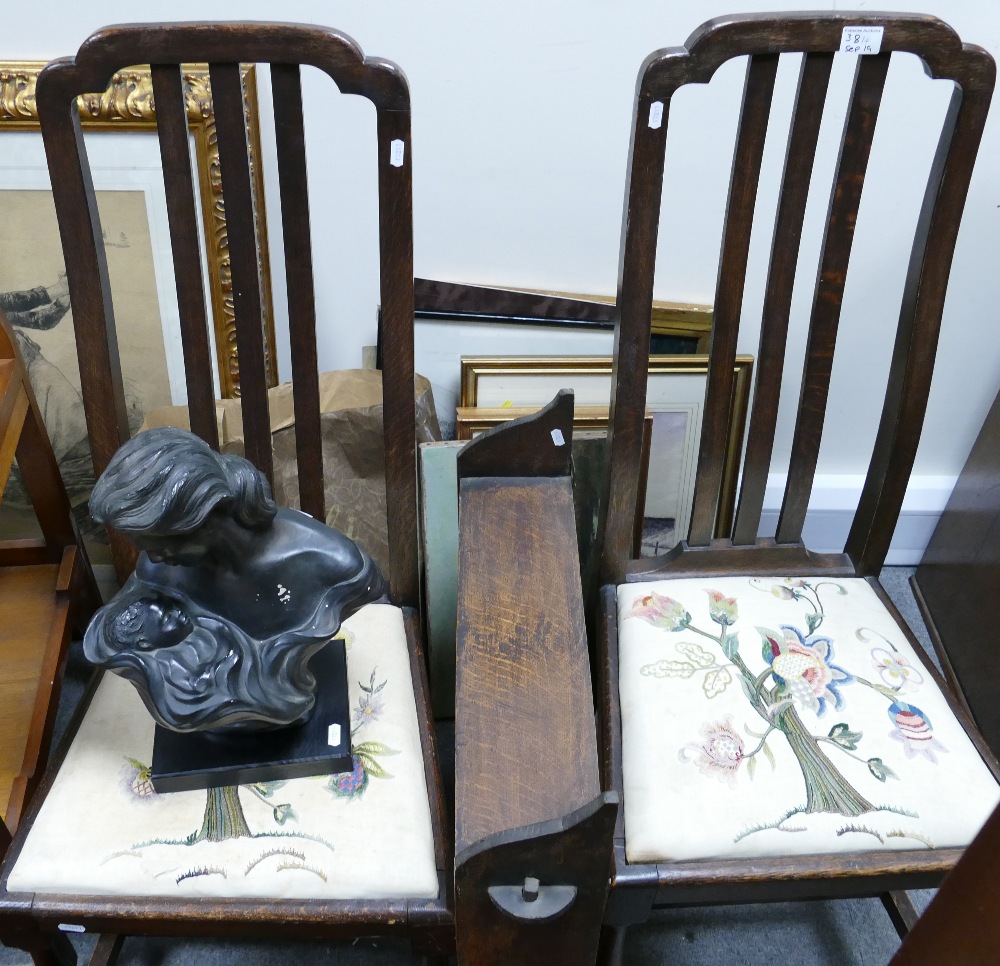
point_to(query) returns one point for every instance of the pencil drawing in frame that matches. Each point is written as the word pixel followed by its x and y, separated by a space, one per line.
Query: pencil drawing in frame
pixel 129 191
pixel 675 397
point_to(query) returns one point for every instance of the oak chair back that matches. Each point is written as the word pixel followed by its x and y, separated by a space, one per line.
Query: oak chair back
pixel 224 47
pixel 763 39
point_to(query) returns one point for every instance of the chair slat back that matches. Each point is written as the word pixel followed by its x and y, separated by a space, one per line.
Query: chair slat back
pixel 814 79
pixel 763 38
pixel 757 95
pixel 168 95
pixel 845 199
pixel 286 87
pixel 225 47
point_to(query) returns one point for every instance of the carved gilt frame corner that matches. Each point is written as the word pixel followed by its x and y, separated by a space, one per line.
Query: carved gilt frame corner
pixel 127 105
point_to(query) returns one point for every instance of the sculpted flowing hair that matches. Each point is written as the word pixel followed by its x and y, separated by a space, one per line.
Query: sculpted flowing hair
pixel 167 481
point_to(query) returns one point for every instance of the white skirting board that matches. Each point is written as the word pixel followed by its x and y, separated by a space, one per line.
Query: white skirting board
pixel 834 499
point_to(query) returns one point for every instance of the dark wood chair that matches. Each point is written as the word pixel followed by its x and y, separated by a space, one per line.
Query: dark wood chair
pixel 361 853
pixel 773 727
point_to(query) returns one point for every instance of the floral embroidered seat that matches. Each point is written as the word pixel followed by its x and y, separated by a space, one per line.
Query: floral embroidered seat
pixel 102 830
pixel 785 716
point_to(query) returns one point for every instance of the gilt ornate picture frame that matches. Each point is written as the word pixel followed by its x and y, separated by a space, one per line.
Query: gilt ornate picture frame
pixel 127 105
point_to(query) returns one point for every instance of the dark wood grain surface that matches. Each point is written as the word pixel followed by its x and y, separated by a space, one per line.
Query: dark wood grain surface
pixel 961 925
pixel 182 215
pixel 958 579
pixel 527 793
pixel 525 738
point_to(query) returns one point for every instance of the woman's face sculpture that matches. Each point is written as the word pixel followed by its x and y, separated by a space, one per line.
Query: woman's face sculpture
pixel 182 550
pixel 151 623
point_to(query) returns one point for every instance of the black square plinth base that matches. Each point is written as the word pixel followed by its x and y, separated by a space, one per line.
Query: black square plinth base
pixel 186 762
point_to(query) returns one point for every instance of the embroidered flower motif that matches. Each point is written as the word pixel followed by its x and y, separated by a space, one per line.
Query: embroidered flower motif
pixel 661 611
pixel 782 592
pixel 914 730
pixel 803 665
pixel 895 670
pixel 137 779
pixel 369 708
pixel 719 753
pixel 353 784
pixel 350 784
pixel 721 609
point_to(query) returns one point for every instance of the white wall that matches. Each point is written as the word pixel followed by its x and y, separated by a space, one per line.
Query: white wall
pixel 521 115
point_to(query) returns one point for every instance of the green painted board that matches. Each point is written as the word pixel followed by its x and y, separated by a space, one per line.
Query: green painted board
pixel 439 542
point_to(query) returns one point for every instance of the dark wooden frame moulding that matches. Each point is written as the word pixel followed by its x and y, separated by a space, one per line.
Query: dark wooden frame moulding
pixel 636 888
pixel 29 920
pixel 128 105
pixel 461 302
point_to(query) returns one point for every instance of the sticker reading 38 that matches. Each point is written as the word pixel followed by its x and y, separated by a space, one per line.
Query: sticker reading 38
pixel 861 40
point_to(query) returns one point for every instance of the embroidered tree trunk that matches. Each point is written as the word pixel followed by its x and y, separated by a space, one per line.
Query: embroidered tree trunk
pixel 826 789
pixel 224 817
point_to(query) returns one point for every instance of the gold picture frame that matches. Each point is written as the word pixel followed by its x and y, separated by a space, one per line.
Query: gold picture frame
pixel 127 105
pixel 472 420
pixel 676 387
pixel 683 320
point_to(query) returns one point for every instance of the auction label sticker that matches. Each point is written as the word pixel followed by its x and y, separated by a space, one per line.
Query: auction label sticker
pixel 396 152
pixel 655 114
pixel 861 40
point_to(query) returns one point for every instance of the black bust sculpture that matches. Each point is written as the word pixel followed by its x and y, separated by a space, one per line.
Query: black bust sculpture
pixel 231 596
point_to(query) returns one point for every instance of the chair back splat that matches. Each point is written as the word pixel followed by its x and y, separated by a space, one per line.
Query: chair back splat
pixel 763 38
pixel 224 47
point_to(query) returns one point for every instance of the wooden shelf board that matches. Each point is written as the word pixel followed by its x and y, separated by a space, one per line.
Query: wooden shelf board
pixel 529 753
pixel 32 617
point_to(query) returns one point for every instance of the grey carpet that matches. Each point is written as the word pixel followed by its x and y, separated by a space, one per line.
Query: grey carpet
pixel 831 933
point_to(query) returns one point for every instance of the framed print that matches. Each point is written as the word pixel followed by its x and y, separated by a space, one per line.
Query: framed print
pixel 440 343
pixel 120 130
pixel 675 396
pixel 127 106
pixel 454 319
pixel 688 323
pixel 473 420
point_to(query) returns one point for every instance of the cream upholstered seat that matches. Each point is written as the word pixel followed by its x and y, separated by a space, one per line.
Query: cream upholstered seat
pixel 784 716
pixel 366 834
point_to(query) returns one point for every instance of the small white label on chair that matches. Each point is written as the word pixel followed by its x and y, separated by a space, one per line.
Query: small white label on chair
pixel 656 114
pixel 558 438
pixel 396 151
pixel 333 736
pixel 71 927
pixel 861 40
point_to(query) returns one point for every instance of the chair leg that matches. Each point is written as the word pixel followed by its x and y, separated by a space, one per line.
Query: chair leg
pixel 45 948
pixel 107 949
pixel 901 911
pixel 611 951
